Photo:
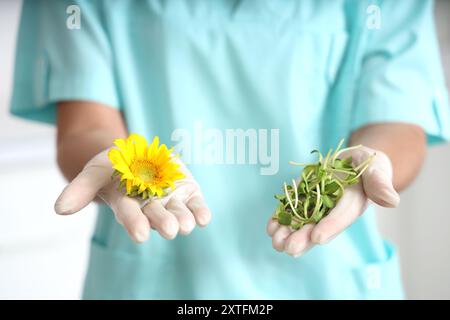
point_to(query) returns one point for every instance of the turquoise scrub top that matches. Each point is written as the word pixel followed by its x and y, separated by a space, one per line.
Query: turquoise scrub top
pixel 315 70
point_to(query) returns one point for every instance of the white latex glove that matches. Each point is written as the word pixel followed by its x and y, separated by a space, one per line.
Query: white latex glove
pixel 179 211
pixel 375 184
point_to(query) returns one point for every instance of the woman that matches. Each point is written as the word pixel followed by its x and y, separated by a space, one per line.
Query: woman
pixel 315 70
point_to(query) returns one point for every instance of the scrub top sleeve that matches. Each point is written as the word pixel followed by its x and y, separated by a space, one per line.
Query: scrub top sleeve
pixel 401 78
pixel 56 63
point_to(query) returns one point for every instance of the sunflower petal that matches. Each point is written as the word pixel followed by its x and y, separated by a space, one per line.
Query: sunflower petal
pixel 123 150
pixel 120 143
pixel 142 187
pixel 140 144
pixel 152 150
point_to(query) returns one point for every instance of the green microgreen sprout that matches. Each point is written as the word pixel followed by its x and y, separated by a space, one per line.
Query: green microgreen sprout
pixel 321 185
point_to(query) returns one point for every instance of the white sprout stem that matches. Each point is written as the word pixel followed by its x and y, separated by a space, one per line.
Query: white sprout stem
pixel 345 150
pixel 309 174
pixel 365 162
pixel 299 164
pixel 316 208
pixel 305 208
pixel 294 184
pixel 327 158
pixel 340 185
pixel 306 182
pixel 360 173
pixel 337 150
pixel 343 171
pixel 295 219
pixel 289 200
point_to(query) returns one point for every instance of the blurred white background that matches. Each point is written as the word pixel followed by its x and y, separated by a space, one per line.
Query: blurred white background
pixel 44 256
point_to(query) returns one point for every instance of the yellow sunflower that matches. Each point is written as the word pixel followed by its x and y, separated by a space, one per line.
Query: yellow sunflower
pixel 144 170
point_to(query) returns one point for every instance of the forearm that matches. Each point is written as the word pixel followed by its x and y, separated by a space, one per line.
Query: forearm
pixel 404 144
pixel 74 151
pixel 83 131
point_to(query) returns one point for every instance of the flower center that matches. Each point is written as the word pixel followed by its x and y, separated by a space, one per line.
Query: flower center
pixel 144 170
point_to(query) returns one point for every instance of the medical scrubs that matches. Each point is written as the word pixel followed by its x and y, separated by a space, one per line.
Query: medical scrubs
pixel 315 70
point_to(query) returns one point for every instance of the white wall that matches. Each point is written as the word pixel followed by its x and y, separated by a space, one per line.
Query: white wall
pixel 43 255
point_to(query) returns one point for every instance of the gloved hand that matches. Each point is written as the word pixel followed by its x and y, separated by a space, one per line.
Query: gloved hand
pixel 179 211
pixel 375 185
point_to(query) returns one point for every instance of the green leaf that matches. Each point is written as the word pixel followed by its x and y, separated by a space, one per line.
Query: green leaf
pixel 284 218
pixel 338 164
pixel 352 181
pixel 280 197
pixel 296 226
pixel 327 201
pixel 320 215
pixel 302 187
pixel 312 185
pixel 331 187
pixel 321 173
pixel 343 164
pixel 347 162
pixel 309 168
pixel 339 194
pixel 278 209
